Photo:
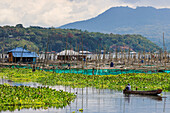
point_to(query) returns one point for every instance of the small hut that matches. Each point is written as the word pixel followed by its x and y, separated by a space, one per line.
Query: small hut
pixel 69 55
pixel 21 55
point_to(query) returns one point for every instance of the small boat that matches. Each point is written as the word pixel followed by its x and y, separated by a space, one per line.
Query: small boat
pixel 152 92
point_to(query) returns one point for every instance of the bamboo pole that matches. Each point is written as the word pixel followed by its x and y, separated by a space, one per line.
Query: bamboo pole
pixel 82 55
pixel 78 55
pixel 131 58
pixel 21 56
pixel 121 55
pixel 139 60
pixel 104 57
pixel 165 60
pixel 45 61
pixel 99 60
pixel 54 62
pixel 148 58
pixel 109 56
pixel 3 51
pixel 139 57
pixel 124 57
pixel 36 59
pixel 157 56
pixel 160 56
pixel 96 59
pixel 168 58
pixel 112 57
pixel 66 50
pixel 163 43
pixel 39 60
pixel 128 56
pixel 34 63
pixel 42 60
pixel 99 55
pixel 144 56
pixel 151 56
pixel 134 58
pixel 86 60
pixel 116 56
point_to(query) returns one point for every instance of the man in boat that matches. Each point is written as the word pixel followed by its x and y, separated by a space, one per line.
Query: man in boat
pixel 128 87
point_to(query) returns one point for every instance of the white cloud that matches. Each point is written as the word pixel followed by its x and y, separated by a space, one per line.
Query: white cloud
pixel 59 12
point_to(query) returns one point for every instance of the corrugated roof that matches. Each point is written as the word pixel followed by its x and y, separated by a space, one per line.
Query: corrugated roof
pixel 30 54
pixel 86 52
pixel 68 52
pixel 19 50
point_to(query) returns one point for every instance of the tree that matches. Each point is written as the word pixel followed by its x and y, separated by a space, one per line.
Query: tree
pixel 19 26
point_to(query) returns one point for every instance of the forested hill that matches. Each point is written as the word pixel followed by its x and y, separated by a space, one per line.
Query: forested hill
pixel 147 21
pixel 35 38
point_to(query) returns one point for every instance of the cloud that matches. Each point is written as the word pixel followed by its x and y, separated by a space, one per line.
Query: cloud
pixel 154 3
pixel 130 1
pixel 58 12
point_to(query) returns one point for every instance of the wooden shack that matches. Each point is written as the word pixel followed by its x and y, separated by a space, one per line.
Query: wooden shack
pixel 21 55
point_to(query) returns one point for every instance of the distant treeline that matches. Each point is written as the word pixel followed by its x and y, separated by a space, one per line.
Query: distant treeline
pixel 35 38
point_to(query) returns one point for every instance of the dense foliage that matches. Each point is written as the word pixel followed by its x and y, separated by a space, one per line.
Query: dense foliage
pixel 32 97
pixel 35 38
pixel 117 82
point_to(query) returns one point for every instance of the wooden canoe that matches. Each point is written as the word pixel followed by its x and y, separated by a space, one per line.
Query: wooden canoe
pixel 153 92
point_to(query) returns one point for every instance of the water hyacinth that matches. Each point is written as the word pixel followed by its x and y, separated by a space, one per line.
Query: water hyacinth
pixel 117 82
pixel 32 97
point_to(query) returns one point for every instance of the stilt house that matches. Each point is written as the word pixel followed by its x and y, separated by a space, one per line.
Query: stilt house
pixel 22 55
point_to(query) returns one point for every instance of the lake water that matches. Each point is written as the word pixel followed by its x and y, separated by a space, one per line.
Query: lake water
pixel 93 100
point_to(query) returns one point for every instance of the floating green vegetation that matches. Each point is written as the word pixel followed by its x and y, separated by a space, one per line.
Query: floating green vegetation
pixel 21 75
pixel 18 97
pixel 117 82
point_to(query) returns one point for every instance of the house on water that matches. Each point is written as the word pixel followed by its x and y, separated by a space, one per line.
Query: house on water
pixel 70 55
pixel 21 55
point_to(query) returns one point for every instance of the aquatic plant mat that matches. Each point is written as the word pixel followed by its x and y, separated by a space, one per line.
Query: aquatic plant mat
pixel 97 71
pixel 117 82
pixel 18 97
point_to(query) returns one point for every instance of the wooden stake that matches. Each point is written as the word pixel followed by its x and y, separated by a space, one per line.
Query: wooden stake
pixel 104 57
pixel 121 55
pixel 82 54
pixel 129 56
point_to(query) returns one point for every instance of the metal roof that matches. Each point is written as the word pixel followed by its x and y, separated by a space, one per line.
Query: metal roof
pixel 68 52
pixel 85 52
pixel 19 50
pixel 30 54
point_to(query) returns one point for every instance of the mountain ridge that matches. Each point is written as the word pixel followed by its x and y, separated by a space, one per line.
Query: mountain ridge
pixel 147 21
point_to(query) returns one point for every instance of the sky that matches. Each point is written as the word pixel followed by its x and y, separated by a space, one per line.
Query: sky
pixel 54 13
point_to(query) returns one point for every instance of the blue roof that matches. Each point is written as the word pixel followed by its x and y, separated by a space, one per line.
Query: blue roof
pixel 19 50
pixel 31 54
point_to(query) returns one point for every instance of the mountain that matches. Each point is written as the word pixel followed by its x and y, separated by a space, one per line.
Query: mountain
pixel 35 38
pixel 147 21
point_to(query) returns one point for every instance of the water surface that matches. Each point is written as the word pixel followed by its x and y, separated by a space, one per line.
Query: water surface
pixel 93 100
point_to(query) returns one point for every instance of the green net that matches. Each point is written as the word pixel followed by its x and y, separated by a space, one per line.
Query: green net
pixel 96 71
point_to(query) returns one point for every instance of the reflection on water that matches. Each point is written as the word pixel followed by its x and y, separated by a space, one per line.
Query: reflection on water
pixel 93 100
pixel 158 97
pixel 127 97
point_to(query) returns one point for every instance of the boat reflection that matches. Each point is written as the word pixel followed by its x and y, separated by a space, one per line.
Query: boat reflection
pixel 156 97
pixel 127 97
